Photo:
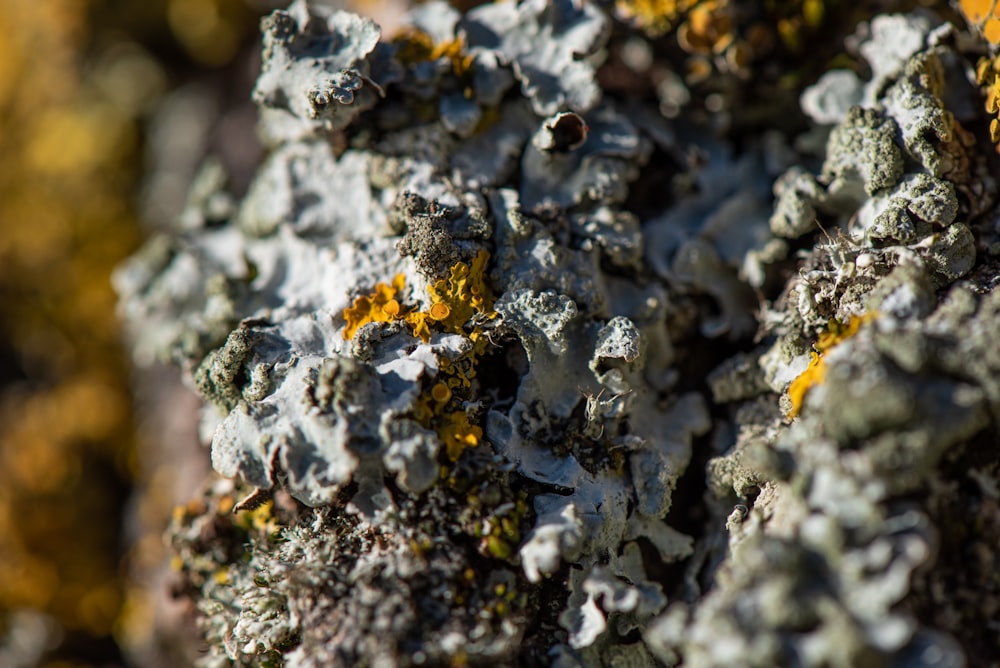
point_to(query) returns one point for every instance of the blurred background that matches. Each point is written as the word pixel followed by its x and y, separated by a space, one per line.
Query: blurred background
pixel 94 94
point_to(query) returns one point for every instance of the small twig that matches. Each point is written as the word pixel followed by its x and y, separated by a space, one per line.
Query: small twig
pixel 255 500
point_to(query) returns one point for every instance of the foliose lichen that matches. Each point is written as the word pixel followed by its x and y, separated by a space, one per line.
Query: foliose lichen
pixel 533 378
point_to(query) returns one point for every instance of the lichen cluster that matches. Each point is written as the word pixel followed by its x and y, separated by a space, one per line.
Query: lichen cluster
pixel 455 301
pixel 536 375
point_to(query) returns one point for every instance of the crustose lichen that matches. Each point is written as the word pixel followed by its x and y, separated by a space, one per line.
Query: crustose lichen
pixel 836 333
pixel 456 301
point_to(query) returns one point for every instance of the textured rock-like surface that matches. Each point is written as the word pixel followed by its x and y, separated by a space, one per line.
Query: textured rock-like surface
pixel 485 346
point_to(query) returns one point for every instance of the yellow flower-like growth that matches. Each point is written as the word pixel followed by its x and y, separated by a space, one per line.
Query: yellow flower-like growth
pixel 654 17
pixel 458 433
pixel 795 22
pixel 441 393
pixel 435 410
pixel 815 373
pixel 415 46
pixel 260 520
pixel 984 15
pixel 380 306
pixel 454 300
pixel 988 76
pixel 708 29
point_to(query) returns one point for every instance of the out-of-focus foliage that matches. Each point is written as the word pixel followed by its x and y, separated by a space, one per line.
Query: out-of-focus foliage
pixel 68 137
pixel 76 81
pixel 730 33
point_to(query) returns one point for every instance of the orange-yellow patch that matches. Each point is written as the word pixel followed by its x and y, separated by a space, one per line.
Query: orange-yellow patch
pixel 984 15
pixel 380 306
pixel 414 46
pixel 440 311
pixel 441 393
pixel 458 434
pixel 815 373
pixel 988 76
pixel 454 300
pixel 655 17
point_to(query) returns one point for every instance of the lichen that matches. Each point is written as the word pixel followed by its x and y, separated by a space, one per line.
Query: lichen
pixel 982 14
pixel 815 373
pixel 380 306
pixel 989 81
pixel 655 17
pixel 522 395
pixel 456 300
pixel 547 44
pixel 316 74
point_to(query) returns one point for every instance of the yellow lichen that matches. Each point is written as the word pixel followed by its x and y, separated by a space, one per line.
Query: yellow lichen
pixel 815 373
pixel 838 332
pixel 415 46
pixel 984 15
pixel 380 306
pixel 439 311
pixel 500 535
pixel 456 299
pixel 260 520
pixel 418 322
pixel 988 76
pixel 460 373
pixel 654 17
pixel 707 30
pixel 458 433
pixel 441 393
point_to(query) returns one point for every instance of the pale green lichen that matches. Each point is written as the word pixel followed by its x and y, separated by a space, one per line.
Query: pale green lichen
pixel 218 376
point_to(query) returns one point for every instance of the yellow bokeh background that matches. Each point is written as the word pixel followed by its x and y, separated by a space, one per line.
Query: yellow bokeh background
pixel 78 81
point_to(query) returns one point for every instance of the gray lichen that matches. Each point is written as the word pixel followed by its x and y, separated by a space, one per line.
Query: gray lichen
pixel 546 45
pixel 486 346
pixel 316 74
pixel 825 499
